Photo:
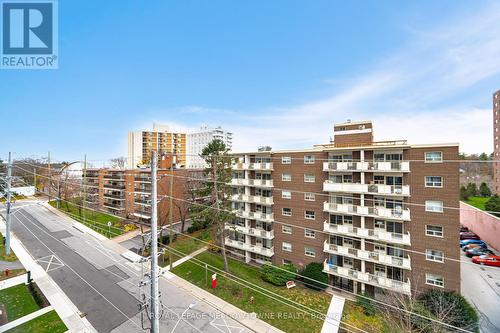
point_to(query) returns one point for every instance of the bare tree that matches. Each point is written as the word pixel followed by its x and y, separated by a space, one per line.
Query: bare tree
pixel 118 162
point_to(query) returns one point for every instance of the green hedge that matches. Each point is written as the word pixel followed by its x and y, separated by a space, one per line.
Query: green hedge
pixel 277 276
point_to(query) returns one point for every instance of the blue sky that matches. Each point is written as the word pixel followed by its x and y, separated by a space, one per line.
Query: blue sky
pixel 273 72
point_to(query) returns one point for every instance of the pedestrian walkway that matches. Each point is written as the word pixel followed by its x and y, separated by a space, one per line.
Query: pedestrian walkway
pixel 186 258
pixel 28 317
pixel 66 310
pixel 14 281
pixel 334 315
pixel 10 265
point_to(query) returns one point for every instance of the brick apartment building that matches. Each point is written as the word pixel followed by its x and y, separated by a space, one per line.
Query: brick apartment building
pixel 496 141
pixel 127 193
pixel 356 205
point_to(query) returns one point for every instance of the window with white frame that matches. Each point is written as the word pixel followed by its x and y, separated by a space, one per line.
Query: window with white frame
pixel 286 211
pixel 286 194
pixel 308 233
pixel 434 156
pixel 434 280
pixel 434 230
pixel 434 206
pixel 310 252
pixel 286 160
pixel 310 214
pixel 309 159
pixel 308 196
pixel 286 177
pixel 286 229
pixel 285 246
pixel 308 178
pixel 433 181
pixel 434 255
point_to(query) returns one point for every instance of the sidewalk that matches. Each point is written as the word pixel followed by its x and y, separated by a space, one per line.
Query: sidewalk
pixel 14 281
pixel 184 259
pixel 334 315
pixel 66 310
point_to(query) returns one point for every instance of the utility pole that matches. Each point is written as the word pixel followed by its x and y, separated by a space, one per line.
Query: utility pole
pixel 50 176
pixel 171 211
pixel 84 187
pixel 155 312
pixel 8 213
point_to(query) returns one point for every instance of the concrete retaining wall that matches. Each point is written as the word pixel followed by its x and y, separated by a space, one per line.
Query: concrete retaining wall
pixel 481 223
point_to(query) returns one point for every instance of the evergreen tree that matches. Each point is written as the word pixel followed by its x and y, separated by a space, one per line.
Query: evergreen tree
pixel 464 195
pixel 472 189
pixel 493 205
pixel 484 190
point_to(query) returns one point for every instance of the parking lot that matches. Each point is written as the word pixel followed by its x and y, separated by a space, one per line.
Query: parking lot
pixel 481 286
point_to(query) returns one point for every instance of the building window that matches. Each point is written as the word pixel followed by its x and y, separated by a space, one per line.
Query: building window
pixel 308 178
pixel 310 252
pixel 286 177
pixel 434 280
pixel 434 206
pixel 308 233
pixel 310 215
pixel 308 196
pixel 286 160
pixel 286 194
pixel 434 156
pixel 434 255
pixel 308 159
pixel 286 262
pixel 434 230
pixel 433 181
pixel 286 229
pixel 286 212
pixel 285 246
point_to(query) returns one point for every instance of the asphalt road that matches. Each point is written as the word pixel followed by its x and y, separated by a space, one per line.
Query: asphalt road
pixel 104 285
pixel 481 286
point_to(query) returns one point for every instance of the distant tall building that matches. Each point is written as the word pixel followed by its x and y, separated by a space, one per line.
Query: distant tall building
pixel 496 140
pixel 198 140
pixel 160 139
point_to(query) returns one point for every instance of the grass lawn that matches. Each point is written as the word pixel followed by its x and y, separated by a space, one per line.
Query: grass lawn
pixel 274 312
pixel 477 202
pixel 187 245
pixel 353 315
pixel 47 323
pixel 12 273
pixel 18 301
pixel 11 257
pixel 95 220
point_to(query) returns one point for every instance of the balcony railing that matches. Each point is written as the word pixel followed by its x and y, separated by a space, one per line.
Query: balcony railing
pixel 114 196
pixel 402 214
pixel 382 189
pixel 142 179
pixel 252 199
pixel 268 252
pixel 253 166
pixel 396 166
pixel 114 186
pixel 252 182
pixel 255 215
pixel 143 190
pixel 381 235
pixel 114 206
pixel 117 177
pixel 145 202
pixel 251 231
pixel 379 281
pixel 379 258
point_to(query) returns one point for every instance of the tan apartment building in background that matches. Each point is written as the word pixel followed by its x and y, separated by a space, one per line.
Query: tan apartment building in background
pixel 159 139
pixel 380 216
pixel 496 141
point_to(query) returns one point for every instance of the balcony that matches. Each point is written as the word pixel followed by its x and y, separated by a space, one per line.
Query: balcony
pixel 380 235
pixel 252 199
pixel 251 231
pixel 116 177
pixel 268 252
pixel 378 281
pixel 142 214
pixel 118 187
pixel 381 189
pixel 116 207
pixel 114 196
pixel 376 212
pixel 252 182
pixel 142 179
pixel 378 258
pixel 255 215
pixel 400 166
pixel 142 190
pixel 253 166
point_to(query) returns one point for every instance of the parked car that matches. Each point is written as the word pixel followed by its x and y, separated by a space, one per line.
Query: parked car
pixel 464 242
pixel 476 251
pixel 469 235
pixel 474 246
pixel 464 229
pixel 487 259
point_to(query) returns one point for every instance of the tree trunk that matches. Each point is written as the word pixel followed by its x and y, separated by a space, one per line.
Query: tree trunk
pixel 223 248
pixel 183 223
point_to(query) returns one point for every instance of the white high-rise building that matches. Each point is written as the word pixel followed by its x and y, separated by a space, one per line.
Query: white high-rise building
pixel 196 141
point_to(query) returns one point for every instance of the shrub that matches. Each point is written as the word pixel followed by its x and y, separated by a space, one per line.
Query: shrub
pixel 464 195
pixel 314 277
pixel 493 204
pixel 365 301
pixel 484 190
pixel 277 276
pixel 451 308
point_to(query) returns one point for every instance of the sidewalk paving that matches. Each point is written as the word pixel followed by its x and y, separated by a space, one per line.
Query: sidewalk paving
pixel 66 310
pixel 25 319
pixel 14 281
pixel 184 259
pixel 10 265
pixel 334 315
